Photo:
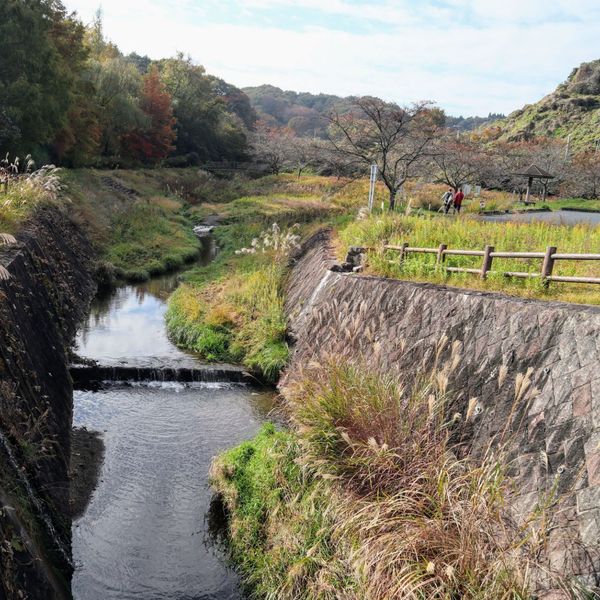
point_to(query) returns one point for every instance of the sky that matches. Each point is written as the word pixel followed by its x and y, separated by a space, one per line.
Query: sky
pixel 471 57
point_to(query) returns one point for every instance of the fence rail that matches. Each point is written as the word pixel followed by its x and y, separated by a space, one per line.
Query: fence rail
pixel 548 258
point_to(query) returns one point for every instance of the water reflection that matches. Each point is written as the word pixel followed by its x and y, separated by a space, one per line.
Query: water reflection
pixel 151 527
pixel 129 322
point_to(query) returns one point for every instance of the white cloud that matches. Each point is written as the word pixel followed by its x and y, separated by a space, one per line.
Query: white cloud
pixel 471 56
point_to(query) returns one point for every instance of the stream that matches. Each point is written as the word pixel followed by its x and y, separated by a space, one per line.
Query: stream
pixel 148 531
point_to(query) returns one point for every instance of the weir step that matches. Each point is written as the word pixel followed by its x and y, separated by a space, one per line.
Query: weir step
pixel 93 374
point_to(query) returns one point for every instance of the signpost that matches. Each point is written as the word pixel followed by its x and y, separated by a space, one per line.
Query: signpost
pixel 372 187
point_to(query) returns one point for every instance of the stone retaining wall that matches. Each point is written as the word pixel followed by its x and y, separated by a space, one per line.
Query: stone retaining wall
pixel 397 326
pixel 41 305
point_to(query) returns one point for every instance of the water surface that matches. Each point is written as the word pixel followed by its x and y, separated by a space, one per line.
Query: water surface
pixel 559 217
pixel 145 534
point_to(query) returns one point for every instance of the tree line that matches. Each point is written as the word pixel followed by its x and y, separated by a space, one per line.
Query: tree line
pixel 416 142
pixel 70 96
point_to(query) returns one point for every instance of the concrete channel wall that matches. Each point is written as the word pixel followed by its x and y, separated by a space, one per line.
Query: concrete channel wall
pixel 398 326
pixel 41 304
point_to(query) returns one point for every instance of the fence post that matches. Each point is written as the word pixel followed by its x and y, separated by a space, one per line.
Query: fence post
pixel 403 251
pixel 548 264
pixel 487 261
pixel 440 254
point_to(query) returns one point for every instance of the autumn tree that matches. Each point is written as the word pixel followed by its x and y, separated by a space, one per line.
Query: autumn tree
pixel 272 146
pixel 154 142
pixel 77 142
pixel 458 160
pixel 395 138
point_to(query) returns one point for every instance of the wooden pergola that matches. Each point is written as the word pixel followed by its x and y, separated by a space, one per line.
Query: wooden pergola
pixel 535 172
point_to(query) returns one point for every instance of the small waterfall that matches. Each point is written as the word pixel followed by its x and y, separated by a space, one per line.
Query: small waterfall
pixel 84 375
pixel 35 501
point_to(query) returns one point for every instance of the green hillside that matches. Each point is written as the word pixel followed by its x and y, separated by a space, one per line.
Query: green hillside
pixel 572 109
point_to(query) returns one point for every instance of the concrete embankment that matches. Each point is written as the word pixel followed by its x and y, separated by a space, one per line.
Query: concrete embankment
pixel 41 304
pixel 551 351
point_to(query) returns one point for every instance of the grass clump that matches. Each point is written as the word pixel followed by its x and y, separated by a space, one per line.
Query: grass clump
pixel 367 498
pixel 234 315
pixel 22 193
pixel 149 240
pixel 281 534
pixel 472 234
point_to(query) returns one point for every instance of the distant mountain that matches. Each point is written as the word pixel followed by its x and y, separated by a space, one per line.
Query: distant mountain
pixel 306 114
pixel 471 123
pixel 573 109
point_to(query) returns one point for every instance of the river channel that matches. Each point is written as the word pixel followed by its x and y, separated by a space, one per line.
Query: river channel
pixel 147 531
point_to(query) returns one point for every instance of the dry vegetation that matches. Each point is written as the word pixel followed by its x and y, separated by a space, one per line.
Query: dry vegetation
pixel 366 498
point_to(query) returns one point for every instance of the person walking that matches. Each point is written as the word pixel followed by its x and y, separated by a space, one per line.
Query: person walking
pixel 458 200
pixel 447 201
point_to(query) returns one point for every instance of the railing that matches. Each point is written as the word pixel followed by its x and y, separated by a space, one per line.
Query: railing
pixel 548 258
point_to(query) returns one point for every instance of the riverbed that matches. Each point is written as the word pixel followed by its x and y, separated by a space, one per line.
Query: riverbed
pixel 148 531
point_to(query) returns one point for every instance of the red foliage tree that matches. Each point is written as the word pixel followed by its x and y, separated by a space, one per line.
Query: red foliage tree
pixel 155 142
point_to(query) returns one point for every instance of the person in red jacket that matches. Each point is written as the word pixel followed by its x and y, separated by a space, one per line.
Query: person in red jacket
pixel 458 200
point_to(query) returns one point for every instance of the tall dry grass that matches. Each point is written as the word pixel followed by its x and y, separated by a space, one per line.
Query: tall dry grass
pixel 468 233
pixel 369 499
pixel 426 523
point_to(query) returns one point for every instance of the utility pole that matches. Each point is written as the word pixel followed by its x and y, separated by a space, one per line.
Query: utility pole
pixel 372 186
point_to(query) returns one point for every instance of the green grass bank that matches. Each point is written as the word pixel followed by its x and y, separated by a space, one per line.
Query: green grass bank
pixel 469 233
pixel 232 310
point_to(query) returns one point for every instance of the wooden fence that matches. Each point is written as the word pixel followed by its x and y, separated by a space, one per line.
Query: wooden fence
pixel 548 260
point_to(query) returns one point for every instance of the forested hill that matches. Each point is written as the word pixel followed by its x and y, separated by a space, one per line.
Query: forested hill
pixel 573 109
pixel 70 96
pixel 306 114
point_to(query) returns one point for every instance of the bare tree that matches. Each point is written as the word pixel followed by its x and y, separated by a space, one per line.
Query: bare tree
pixel 272 146
pixel 395 138
pixel 583 178
pixel 303 153
pixel 508 159
pixel 459 160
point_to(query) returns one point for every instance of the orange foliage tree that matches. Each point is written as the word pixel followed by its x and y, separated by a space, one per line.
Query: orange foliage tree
pixel 154 142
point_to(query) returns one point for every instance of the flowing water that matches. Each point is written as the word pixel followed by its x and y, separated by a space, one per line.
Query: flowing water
pixel 148 530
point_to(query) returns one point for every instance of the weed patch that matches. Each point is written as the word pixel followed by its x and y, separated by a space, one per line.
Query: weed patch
pixel 366 499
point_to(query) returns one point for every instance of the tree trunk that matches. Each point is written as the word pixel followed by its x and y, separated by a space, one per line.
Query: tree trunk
pixel 392 200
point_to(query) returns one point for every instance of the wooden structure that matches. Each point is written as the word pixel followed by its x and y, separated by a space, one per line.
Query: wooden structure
pixel 548 258
pixel 535 172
